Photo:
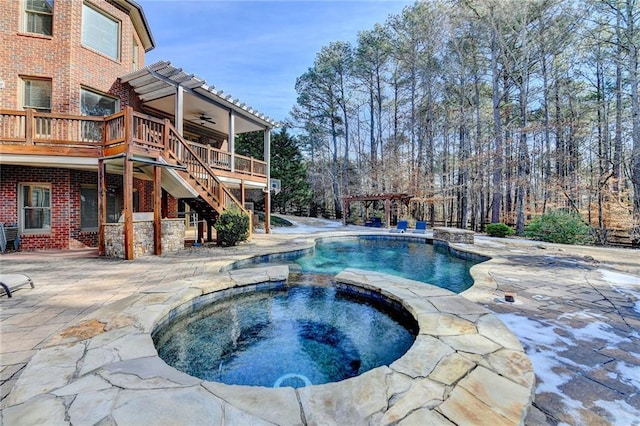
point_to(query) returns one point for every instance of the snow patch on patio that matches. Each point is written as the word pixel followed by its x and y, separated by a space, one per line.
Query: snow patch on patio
pixel 626 415
pixel 630 374
pixel 626 285
pixel 307 225
pixel 544 340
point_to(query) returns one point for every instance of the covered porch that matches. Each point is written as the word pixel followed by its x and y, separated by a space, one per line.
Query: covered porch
pixel 208 120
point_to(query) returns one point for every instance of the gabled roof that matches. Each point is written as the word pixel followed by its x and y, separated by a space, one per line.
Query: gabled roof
pixel 139 22
pixel 156 86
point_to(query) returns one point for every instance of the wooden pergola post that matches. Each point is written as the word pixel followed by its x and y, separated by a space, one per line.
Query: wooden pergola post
pixel 368 199
pixel 345 206
pixel 387 212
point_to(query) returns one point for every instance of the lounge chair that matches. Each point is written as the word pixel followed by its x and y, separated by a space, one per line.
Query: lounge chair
pixel 12 282
pixel 421 227
pixel 401 227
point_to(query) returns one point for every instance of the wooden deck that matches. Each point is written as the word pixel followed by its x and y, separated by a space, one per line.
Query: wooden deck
pixel 134 137
pixel 34 133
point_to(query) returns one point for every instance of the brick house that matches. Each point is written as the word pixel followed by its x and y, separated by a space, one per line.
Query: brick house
pixel 89 135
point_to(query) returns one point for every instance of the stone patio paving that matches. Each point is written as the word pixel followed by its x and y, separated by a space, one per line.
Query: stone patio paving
pixel 576 312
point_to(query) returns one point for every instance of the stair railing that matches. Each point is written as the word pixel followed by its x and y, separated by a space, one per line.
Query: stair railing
pixel 180 151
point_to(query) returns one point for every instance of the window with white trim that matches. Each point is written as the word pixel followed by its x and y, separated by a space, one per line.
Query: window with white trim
pixel 35 207
pixel 100 32
pixel 38 17
pixel 36 94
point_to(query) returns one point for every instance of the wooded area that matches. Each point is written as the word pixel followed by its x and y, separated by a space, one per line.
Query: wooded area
pixel 484 111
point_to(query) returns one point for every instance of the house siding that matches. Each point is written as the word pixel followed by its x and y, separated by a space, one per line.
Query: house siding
pixel 70 66
pixel 66 232
pixel 62 57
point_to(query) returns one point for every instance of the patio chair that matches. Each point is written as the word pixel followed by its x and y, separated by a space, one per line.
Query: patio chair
pixel 9 237
pixel 401 227
pixel 12 282
pixel 421 227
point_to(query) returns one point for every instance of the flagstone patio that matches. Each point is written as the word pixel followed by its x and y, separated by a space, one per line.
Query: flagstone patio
pixel 575 312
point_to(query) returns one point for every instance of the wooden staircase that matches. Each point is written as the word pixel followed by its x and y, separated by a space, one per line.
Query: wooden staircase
pixel 213 197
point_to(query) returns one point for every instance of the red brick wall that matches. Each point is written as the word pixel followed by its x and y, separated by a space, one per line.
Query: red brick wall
pixel 145 195
pixel 172 207
pixel 59 237
pixel 65 204
pixel 61 57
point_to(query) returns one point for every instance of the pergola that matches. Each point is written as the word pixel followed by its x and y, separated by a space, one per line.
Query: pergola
pixel 367 199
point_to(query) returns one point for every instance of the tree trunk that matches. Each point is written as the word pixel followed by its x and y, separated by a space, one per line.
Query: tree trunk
pixel 335 185
pixel 635 108
pixel 496 201
pixel 617 150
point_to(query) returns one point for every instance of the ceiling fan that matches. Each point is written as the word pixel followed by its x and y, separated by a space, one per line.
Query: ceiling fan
pixel 205 118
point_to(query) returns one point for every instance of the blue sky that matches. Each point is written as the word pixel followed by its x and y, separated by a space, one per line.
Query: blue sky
pixel 255 50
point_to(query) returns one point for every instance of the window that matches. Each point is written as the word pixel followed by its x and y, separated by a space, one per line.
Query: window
pixel 38 16
pixel 35 207
pixel 96 104
pixel 89 207
pixel 100 32
pixel 36 94
pixel 135 51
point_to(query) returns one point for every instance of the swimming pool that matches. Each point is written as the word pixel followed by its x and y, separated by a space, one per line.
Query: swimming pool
pixel 410 258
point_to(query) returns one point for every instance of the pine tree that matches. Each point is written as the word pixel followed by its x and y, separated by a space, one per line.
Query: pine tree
pixel 287 164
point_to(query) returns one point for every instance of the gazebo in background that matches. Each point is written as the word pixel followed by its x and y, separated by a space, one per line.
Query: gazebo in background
pixel 389 200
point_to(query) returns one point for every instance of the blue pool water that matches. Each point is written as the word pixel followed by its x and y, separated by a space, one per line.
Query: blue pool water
pixel 414 260
pixel 288 337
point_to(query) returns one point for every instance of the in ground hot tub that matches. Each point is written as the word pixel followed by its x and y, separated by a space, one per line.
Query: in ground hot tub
pixel 286 335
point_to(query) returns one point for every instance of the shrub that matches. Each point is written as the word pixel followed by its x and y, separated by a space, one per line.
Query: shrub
pixel 499 230
pixel 232 227
pixel 275 220
pixel 279 221
pixel 560 227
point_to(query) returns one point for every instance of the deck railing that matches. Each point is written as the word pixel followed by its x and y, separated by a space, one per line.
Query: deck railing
pixel 34 128
pixel 115 135
pixel 64 134
pixel 181 151
pixel 221 160
pixel 147 132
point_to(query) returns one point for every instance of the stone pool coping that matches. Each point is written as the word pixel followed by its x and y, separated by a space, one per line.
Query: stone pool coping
pixel 464 367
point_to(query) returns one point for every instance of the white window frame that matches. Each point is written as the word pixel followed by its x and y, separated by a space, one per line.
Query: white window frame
pixel 46 229
pixel 26 13
pixel 89 42
pixel 23 93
